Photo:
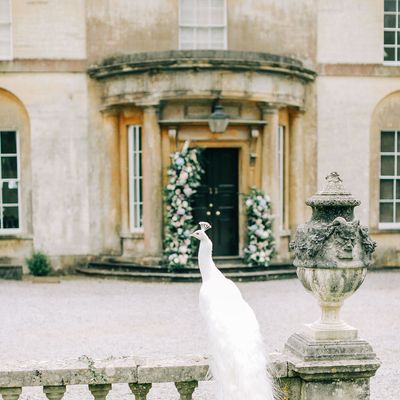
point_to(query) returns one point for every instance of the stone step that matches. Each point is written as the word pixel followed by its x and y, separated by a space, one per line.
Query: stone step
pixel 186 275
pixel 129 266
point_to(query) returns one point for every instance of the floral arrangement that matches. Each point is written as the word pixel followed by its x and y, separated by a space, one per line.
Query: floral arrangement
pixel 184 177
pixel 260 240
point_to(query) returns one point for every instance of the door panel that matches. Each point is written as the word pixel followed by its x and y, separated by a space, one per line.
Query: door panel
pixel 217 199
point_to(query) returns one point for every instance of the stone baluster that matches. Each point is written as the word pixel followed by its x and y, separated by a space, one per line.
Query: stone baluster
pixel 186 389
pixel 100 392
pixel 140 390
pixel 54 392
pixel 11 393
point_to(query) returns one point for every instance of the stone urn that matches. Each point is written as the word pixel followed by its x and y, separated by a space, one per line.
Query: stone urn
pixel 332 252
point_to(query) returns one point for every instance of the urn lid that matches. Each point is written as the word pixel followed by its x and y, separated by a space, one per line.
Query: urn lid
pixel 333 194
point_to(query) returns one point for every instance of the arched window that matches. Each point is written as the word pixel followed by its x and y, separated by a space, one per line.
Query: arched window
pixel 385 164
pixel 202 24
pixel 15 180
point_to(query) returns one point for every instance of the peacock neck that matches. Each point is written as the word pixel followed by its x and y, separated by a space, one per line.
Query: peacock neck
pixel 206 263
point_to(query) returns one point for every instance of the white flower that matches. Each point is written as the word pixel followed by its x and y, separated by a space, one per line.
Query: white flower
pixel 179 161
pixel 181 211
pixel 249 202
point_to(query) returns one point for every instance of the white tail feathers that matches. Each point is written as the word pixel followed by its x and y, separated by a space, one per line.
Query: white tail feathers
pixel 204 226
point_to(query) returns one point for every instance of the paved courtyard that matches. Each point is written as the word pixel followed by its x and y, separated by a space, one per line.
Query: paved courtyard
pixel 102 318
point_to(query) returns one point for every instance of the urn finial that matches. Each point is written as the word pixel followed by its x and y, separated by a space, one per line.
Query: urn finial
pixel 332 253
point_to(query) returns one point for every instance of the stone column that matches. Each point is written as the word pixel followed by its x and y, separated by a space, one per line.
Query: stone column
pixel 152 183
pixel 296 169
pixel 270 163
pixel 110 188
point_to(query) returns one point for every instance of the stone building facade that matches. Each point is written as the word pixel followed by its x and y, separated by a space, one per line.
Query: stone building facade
pixel 96 94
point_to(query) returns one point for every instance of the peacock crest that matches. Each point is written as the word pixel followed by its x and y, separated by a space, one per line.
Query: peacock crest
pixel 204 226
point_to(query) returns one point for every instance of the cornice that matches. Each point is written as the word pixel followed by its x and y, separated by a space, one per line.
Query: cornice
pixel 200 60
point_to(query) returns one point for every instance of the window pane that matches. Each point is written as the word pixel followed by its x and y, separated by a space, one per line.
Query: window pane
pixel 387 141
pixel 386 212
pixel 398 165
pixel 202 12
pixel 398 189
pixel 390 5
pixel 389 54
pixel 187 35
pixel 8 143
pixel 390 21
pixel 398 141
pixel 10 193
pixel 386 190
pixel 202 38
pixel 217 16
pixel 187 12
pixel 10 218
pixel 389 37
pixel 217 35
pixel 9 167
pixel 387 165
pixel 398 53
pixel 398 212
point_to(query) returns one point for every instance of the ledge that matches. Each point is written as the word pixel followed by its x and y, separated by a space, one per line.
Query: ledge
pixel 197 60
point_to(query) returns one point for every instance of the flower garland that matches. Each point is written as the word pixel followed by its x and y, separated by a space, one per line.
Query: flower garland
pixel 184 177
pixel 260 240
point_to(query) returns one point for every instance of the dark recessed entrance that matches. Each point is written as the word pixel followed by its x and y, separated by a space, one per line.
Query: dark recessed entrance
pixel 217 199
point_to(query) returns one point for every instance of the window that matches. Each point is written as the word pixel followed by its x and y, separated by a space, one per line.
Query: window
pixel 9 179
pixel 135 178
pixel 202 24
pixel 281 143
pixel 389 198
pixel 391 32
pixel 5 30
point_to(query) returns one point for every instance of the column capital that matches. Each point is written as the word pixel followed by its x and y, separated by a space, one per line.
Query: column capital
pixel 110 111
pixel 269 108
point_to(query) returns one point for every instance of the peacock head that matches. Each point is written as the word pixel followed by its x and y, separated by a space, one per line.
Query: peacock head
pixel 200 234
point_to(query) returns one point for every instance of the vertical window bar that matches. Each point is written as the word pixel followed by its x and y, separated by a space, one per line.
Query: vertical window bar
pixel 135 178
pixel 281 173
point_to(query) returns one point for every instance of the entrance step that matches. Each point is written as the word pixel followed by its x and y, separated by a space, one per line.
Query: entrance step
pixel 235 271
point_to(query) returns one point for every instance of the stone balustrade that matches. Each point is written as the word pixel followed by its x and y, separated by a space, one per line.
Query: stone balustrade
pixel 137 373
pixel 291 375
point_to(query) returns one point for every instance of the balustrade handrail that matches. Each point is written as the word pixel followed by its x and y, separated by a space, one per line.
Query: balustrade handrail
pixel 140 373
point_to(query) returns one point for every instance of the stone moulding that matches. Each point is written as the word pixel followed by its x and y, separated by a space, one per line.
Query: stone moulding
pixel 311 241
pixel 197 60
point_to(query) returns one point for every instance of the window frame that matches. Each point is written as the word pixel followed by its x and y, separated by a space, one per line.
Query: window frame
pixel 9 23
pixel 282 160
pixel 396 30
pixel 12 231
pixel 394 178
pixel 197 26
pixel 135 206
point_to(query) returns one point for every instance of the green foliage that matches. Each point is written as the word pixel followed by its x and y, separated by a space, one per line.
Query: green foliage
pixel 39 264
pixel 184 177
pixel 260 240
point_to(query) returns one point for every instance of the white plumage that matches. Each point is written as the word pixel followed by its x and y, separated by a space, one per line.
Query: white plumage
pixel 238 355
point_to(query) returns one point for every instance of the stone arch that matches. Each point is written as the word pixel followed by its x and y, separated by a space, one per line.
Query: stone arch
pixel 386 116
pixel 14 116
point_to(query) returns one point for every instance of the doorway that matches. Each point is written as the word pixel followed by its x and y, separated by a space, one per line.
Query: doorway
pixel 217 199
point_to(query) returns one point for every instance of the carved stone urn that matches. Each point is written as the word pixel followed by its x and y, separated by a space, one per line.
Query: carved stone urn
pixel 332 253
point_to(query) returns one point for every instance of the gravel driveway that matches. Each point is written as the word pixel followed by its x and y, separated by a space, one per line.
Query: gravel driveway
pixel 102 318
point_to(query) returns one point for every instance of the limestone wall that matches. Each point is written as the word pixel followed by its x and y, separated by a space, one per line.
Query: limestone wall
pixel 350 31
pixel 272 26
pixel 49 29
pixel 56 105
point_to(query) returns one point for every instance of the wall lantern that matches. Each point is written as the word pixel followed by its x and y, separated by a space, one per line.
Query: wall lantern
pixel 218 120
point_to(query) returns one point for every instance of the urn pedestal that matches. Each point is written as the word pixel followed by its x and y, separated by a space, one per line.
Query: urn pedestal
pixel 332 253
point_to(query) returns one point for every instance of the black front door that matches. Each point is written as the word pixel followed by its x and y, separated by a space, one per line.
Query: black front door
pixel 216 200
